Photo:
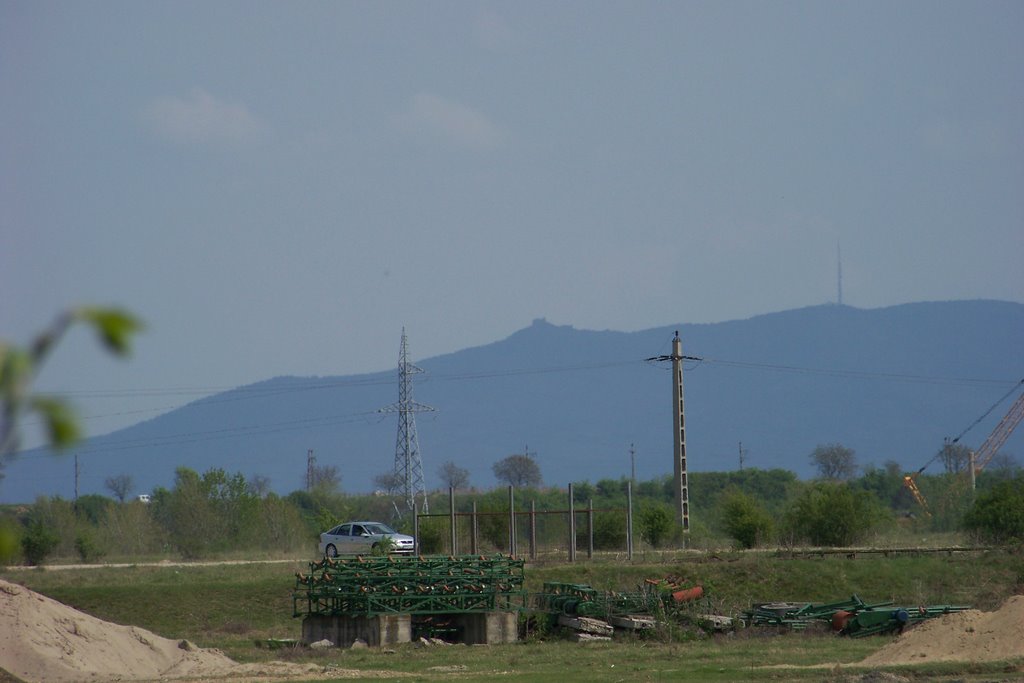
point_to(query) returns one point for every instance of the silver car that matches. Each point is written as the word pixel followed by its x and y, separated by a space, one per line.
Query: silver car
pixel 362 538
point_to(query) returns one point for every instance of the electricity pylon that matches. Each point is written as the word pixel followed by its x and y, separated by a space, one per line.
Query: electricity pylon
pixel 408 465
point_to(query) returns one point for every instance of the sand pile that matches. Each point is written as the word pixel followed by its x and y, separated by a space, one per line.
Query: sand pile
pixel 44 640
pixel 970 636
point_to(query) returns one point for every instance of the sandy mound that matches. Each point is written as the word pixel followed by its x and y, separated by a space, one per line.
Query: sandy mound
pixel 969 636
pixel 44 640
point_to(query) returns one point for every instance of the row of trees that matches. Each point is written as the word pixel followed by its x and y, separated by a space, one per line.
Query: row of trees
pixel 837 462
pixel 216 514
pixel 519 470
pixel 833 462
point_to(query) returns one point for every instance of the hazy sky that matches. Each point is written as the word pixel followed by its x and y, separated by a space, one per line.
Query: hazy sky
pixel 279 188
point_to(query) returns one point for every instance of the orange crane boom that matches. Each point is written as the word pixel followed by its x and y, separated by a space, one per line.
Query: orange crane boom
pixel 984 454
pixel 997 438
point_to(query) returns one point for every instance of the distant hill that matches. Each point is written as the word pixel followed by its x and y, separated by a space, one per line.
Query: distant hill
pixel 889 383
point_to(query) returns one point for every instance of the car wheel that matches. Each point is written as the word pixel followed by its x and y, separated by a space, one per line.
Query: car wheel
pixel 331 551
pixel 374 547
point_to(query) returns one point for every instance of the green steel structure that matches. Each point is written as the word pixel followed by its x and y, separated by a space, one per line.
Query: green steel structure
pixel 575 599
pixel 370 586
pixel 852 617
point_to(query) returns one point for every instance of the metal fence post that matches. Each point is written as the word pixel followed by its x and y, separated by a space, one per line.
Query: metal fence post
pixel 590 529
pixel 451 516
pixel 416 531
pixel 629 521
pixel 474 532
pixel 572 527
pixel 533 529
pixel 511 522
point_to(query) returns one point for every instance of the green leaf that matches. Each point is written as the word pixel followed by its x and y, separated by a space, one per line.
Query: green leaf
pixel 114 326
pixel 15 368
pixel 61 424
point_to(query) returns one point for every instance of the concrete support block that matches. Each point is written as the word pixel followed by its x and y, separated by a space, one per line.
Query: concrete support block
pixel 385 629
pixel 489 628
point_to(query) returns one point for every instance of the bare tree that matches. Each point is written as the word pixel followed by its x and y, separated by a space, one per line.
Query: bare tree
pixel 259 485
pixel 453 476
pixel 120 485
pixel 388 482
pixel 518 470
pixel 1003 466
pixel 325 478
pixel 834 461
pixel 956 457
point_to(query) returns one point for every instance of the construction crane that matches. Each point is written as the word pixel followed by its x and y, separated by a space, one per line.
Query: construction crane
pixel 981 457
pixel 997 438
pixel 911 485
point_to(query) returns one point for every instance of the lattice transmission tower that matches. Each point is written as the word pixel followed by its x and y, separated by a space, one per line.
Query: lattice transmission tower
pixel 408 464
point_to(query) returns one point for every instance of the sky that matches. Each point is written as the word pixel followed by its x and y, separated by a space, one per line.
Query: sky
pixel 280 188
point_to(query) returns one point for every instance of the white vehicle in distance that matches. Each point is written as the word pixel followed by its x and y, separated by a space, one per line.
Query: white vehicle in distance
pixel 363 538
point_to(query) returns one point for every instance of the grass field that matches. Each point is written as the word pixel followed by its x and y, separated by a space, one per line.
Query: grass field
pixel 231 607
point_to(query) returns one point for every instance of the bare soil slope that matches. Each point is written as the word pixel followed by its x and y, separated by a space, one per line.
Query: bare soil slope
pixel 46 641
pixel 969 636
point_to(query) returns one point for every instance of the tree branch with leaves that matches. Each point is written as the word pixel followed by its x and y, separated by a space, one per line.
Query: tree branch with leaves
pixel 19 367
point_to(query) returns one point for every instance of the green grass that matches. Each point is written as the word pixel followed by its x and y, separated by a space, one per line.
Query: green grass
pixel 233 606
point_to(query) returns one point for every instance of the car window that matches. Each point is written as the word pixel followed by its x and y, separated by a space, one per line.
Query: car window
pixel 357 530
pixel 380 529
pixel 344 530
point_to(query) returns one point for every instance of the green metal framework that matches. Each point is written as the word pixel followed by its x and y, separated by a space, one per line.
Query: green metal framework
pixel 575 599
pixel 370 586
pixel 858 617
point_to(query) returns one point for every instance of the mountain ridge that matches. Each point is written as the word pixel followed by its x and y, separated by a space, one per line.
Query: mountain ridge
pixel 889 382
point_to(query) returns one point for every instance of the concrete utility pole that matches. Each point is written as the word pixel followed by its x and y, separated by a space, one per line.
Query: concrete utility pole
pixel 681 487
pixel 310 469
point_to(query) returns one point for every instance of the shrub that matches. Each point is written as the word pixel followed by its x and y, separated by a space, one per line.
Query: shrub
pixel 9 540
pixel 492 523
pixel 383 547
pixel 655 525
pixel 831 514
pixel 998 515
pixel 39 542
pixel 431 539
pixel 745 520
pixel 87 548
pixel 609 531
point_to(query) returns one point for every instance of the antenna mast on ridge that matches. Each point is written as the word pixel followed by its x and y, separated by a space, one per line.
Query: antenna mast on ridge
pixel 839 274
pixel 408 466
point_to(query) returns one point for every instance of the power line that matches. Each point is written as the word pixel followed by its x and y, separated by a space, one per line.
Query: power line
pixel 251 392
pixel 254 392
pixel 215 434
pixel 989 411
pixel 857 374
